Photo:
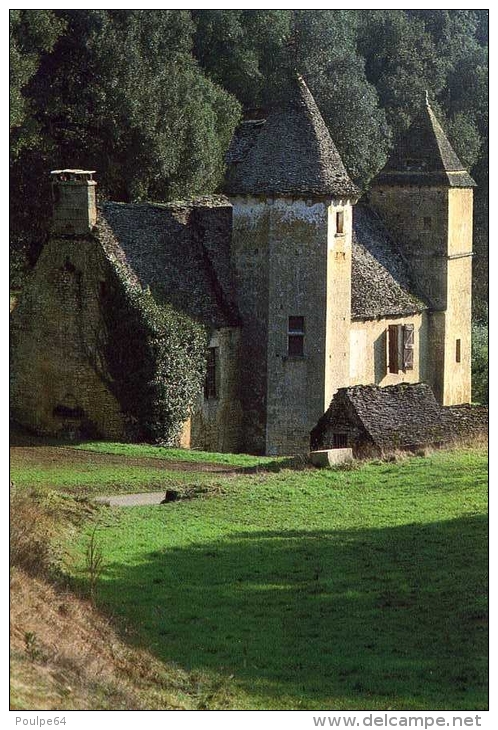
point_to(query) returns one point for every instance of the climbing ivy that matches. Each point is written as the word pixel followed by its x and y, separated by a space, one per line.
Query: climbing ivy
pixel 155 358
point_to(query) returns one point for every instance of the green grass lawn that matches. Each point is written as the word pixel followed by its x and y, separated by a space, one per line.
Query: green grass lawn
pixel 347 589
pixel 170 454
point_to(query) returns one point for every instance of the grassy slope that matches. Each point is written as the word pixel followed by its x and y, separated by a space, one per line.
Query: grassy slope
pixel 361 589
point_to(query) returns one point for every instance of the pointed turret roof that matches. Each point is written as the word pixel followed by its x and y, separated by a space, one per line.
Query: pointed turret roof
pixel 289 153
pixel 424 156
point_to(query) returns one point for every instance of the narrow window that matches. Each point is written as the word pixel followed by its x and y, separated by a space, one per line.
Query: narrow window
pixel 339 221
pixel 295 346
pixel 458 351
pixel 210 390
pixel 340 440
pixel 427 223
pixel 408 346
pixel 393 347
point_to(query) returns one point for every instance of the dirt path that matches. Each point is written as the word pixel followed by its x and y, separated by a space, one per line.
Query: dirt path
pixel 46 456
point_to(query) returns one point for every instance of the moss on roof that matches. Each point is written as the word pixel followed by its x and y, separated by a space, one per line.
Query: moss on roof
pixel 291 153
pixel 424 156
pixel 179 251
pixel 381 285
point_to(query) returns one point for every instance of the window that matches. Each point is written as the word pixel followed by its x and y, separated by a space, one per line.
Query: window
pixel 210 390
pixel 340 440
pixel 408 346
pixel 401 344
pixel 427 223
pixel 295 346
pixel 458 351
pixel 339 221
pixel 393 346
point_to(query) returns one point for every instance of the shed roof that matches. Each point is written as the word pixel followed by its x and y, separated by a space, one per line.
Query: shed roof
pixel 291 153
pixel 424 156
pixel 404 416
pixel 381 285
pixel 181 251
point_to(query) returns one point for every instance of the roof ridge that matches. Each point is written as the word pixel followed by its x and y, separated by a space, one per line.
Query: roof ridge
pixel 292 153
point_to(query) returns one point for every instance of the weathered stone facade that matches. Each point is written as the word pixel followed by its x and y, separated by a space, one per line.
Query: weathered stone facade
pixel 374 421
pixel 290 262
pixel 303 293
pixel 216 421
pixel 60 383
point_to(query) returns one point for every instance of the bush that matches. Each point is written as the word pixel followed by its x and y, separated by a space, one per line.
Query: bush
pixel 480 374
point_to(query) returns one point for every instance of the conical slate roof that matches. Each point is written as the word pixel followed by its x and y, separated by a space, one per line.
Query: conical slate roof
pixel 424 156
pixel 291 153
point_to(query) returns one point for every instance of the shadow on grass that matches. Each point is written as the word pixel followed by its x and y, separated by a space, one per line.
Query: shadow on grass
pixel 385 618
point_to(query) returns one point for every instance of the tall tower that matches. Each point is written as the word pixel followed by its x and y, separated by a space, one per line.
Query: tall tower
pixel 292 221
pixel 425 196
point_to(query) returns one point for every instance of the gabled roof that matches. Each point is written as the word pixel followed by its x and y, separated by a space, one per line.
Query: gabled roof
pixel 404 416
pixel 181 251
pixel 380 285
pixel 291 153
pixel 424 156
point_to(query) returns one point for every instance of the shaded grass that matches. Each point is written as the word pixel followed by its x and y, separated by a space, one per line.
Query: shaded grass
pixel 347 589
pixel 170 454
pixel 95 479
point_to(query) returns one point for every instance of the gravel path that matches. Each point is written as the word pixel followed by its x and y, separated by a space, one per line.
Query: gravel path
pixel 132 500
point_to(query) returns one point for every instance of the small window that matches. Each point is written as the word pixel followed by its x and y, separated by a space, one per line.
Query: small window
pixel 458 351
pixel 340 440
pixel 427 223
pixel 210 390
pixel 408 346
pixel 393 347
pixel 295 346
pixel 339 221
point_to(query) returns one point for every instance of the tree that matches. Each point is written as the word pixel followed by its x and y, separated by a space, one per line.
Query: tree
pixel 122 94
pixel 31 34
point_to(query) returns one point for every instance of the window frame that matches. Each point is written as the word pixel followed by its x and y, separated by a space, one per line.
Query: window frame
pixel 211 387
pixel 295 334
pixel 339 222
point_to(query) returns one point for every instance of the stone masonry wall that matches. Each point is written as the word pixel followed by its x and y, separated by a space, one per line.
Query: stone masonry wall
pixel 58 378
pixel 433 227
pixel 216 422
pixel 251 231
pixel 309 277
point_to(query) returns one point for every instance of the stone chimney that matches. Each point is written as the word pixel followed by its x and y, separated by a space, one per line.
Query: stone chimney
pixel 73 195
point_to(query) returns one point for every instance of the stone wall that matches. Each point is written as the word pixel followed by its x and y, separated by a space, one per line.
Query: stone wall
pixel 250 246
pixel 290 261
pixel 378 420
pixel 433 226
pixel 369 351
pixel 216 422
pixel 59 380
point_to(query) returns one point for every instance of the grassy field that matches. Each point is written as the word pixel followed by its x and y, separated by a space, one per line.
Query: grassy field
pixel 361 588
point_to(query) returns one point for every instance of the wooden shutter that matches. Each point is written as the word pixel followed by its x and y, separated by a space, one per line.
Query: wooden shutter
pixel 408 346
pixel 393 348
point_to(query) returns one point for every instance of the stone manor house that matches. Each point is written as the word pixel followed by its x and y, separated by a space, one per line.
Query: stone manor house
pixel 304 288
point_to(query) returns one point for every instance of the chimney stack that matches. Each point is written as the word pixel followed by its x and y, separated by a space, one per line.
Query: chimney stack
pixel 73 195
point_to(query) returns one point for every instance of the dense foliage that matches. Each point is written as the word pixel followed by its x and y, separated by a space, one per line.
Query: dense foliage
pixel 480 369
pixel 150 98
pixel 155 358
